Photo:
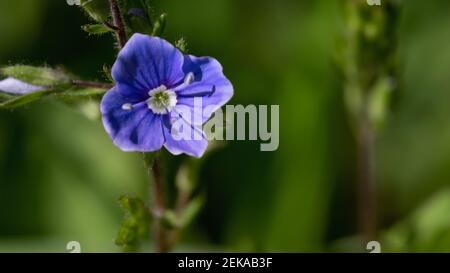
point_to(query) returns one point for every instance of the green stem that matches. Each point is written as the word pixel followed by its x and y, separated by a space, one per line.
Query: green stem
pixel 368 59
pixel 366 177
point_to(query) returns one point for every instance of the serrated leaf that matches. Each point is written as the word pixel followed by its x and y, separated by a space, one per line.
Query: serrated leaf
pixel 136 222
pixel 96 29
pixel 107 72
pixel 40 76
pixel 127 233
pixel 181 44
pixel 96 9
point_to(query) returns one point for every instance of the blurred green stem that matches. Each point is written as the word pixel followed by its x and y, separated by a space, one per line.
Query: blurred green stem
pixel 367 193
pixel 367 57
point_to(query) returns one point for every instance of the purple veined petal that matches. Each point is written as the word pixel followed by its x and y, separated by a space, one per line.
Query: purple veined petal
pixel 191 142
pixel 17 87
pixel 191 114
pixel 209 83
pixel 133 128
pixel 145 63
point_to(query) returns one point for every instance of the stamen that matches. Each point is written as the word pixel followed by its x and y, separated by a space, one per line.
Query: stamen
pixel 156 90
pixel 161 100
pixel 189 78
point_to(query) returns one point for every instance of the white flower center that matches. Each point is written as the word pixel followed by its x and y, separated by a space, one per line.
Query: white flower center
pixel 162 100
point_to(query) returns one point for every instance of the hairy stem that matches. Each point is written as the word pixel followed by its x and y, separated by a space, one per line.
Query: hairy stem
pixel 91 84
pixel 118 23
pixel 110 26
pixel 159 207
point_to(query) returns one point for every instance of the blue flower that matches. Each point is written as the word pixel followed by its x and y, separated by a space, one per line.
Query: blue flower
pixel 156 93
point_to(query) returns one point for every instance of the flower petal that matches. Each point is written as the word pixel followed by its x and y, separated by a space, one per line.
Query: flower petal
pixel 145 63
pixel 137 129
pixel 209 83
pixel 14 86
pixel 191 142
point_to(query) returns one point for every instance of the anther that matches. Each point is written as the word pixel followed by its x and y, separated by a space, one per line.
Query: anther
pixel 189 78
pixel 127 106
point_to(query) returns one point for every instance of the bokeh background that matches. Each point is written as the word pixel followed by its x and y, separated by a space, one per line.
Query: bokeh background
pixel 60 175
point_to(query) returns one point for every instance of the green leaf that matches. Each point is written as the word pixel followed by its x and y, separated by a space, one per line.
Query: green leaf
pixel 107 72
pixel 424 230
pixel 90 109
pixel 96 9
pixel 18 101
pixel 40 76
pixel 170 220
pixel 186 179
pixel 191 211
pixel 160 25
pixel 54 82
pixel 68 96
pixel 86 101
pixel 96 29
pixel 5 97
pixel 135 225
pixel 379 101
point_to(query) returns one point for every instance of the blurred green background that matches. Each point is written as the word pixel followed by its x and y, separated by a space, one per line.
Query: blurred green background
pixel 60 175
